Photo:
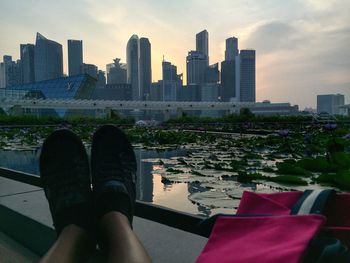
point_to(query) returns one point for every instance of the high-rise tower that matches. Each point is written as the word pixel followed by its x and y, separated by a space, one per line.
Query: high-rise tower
pixel 231 51
pixel 48 59
pixel 230 72
pixel 247 70
pixel 132 60
pixel 145 68
pixel 27 63
pixel 202 42
pixel 75 57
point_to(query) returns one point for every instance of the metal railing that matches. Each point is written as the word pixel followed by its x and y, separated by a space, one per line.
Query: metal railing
pixel 179 220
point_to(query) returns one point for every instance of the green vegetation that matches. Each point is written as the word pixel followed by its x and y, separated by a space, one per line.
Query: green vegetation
pixel 50 120
pixel 306 154
pixel 290 168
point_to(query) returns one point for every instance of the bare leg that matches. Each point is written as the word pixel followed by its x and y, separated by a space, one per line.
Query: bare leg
pixel 120 241
pixel 72 246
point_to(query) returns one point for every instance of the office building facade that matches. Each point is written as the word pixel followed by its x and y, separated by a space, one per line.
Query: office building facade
pixel 116 72
pixel 247 76
pixel 330 104
pixel 202 44
pixel 145 68
pixel 228 80
pixel 132 61
pixel 91 70
pixel 230 72
pixel 196 66
pixel 10 72
pixel 231 51
pixel 212 74
pixel 75 57
pixel 48 59
pixel 27 63
pixel 101 79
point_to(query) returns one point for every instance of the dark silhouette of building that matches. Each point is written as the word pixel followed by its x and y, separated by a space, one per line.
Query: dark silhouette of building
pixel 75 57
pixel 197 61
pixel 48 59
pixel 202 44
pixel 90 69
pixel 101 79
pixel 116 72
pixel 132 61
pixel 230 72
pixel 27 63
pixel 196 65
pixel 10 72
pixel 171 81
pixel 228 80
pixel 213 74
pixel 247 76
pixel 113 92
pixel 231 51
pixel 145 68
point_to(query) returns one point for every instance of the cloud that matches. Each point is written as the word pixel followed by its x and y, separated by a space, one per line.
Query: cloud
pixel 302 45
pixel 273 36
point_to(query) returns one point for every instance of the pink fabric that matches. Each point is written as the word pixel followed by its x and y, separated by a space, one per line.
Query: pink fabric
pixel 337 212
pixel 272 204
pixel 260 239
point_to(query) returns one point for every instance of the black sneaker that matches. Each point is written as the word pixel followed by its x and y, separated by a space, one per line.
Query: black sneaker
pixel 64 173
pixel 113 170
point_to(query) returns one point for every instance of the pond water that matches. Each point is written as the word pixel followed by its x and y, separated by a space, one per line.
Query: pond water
pixel 195 178
pixel 150 187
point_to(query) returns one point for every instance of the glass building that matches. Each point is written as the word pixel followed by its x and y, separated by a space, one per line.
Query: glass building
pixel 75 57
pixel 132 61
pixel 202 44
pixel 75 87
pixel 145 68
pixel 196 66
pixel 48 59
pixel 247 80
pixel 231 51
pixel 27 63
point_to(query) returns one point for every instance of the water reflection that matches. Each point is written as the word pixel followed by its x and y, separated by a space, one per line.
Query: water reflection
pixel 145 182
pixel 150 187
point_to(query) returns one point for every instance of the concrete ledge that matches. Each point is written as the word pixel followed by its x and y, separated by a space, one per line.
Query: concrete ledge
pixel 25 217
pixel 31 234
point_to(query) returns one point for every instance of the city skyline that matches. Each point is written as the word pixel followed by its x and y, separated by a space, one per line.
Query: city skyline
pixel 302 57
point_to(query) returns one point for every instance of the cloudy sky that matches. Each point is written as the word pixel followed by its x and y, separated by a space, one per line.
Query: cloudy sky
pixel 303 46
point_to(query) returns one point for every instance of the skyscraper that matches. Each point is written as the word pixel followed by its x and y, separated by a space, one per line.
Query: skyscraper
pixel 132 60
pixel 10 72
pixel 213 74
pixel 230 72
pixel 75 57
pixel 145 68
pixel 116 72
pixel 27 63
pixel 202 43
pixel 247 76
pixel 48 59
pixel 139 71
pixel 196 65
pixel 171 82
pixel 228 80
pixel 231 51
